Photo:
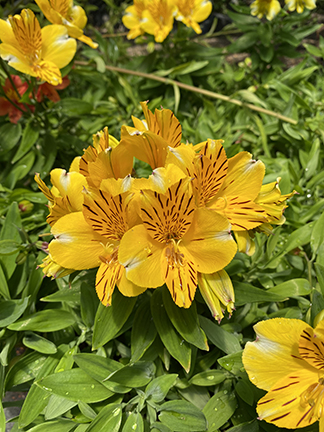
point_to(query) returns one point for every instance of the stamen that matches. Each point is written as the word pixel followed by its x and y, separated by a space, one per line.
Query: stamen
pixel 314 397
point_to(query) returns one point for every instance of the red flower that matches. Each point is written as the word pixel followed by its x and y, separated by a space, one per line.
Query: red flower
pixel 8 108
pixel 49 90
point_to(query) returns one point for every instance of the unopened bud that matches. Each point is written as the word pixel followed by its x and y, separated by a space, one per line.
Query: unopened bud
pixel 25 206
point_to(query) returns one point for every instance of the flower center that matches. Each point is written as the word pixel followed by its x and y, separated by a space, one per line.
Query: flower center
pixel 174 257
pixel 313 398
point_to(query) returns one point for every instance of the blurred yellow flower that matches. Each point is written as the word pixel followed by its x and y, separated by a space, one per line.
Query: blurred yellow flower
pixel 72 17
pixel 299 5
pixel 158 17
pixel 133 18
pixel 192 12
pixel 269 8
pixel 287 360
pixel 34 51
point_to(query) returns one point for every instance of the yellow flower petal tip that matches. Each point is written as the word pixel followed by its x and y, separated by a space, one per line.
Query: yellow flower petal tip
pixel 287 360
pixel 269 8
pixel 34 51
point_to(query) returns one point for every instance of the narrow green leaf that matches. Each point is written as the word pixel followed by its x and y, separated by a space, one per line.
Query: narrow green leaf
pixel 251 426
pixel 11 310
pixel 29 137
pixel 54 426
pixel 109 419
pixel 133 423
pixel 10 231
pixel 74 106
pixel 9 345
pixel 219 409
pixel 44 321
pixel 25 369
pixel 109 320
pixel 75 385
pixel 246 293
pixel 64 295
pixel 176 346
pixel 58 406
pixel 232 363
pixel 143 331
pixel 9 136
pixel 8 247
pixel 38 343
pixel 159 387
pixel 4 289
pixel 263 136
pixel 319 269
pixel 224 340
pixel 185 321
pixel 134 375
pixel 292 288
pixel 182 416
pixel 208 378
pixel 317 237
pixel 245 390
pixel 2 419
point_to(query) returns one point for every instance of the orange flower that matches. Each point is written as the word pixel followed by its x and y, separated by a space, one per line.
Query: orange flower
pixel 50 92
pixel 7 108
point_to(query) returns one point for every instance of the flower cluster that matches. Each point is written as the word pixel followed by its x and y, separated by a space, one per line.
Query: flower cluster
pixel 271 8
pixel 156 17
pixel 172 228
pixel 294 353
pixel 42 52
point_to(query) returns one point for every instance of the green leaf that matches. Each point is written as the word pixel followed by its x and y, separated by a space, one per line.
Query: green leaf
pixel 109 320
pixel 74 106
pixel 219 409
pixel 232 363
pixel 208 378
pixel 143 331
pixel 317 237
pixel 58 406
pixel 185 321
pixel 54 426
pixel 176 346
pixel 319 269
pixel 159 427
pixel 245 390
pixel 86 410
pixel 109 419
pixel 4 289
pixel 243 43
pixel 25 369
pixel 44 321
pixel 38 343
pixel 9 136
pixel 8 247
pixel 263 135
pixel 292 288
pixel 224 340
pixel 29 137
pixel 75 385
pixel 10 231
pixel 2 419
pixel 133 423
pixel 182 416
pixel 11 310
pixel 64 295
pixel 313 50
pixel 251 426
pixel 134 375
pixel 246 293
pixel 159 387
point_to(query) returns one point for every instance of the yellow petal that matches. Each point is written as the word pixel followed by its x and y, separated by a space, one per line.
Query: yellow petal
pixel 57 48
pixel 85 39
pixel 128 288
pixel 16 59
pixel 160 179
pixel 222 287
pixel 202 10
pixel 76 245
pixel 52 269
pixel 244 242
pixel 75 165
pixel 142 258
pixel 210 298
pixel 78 17
pixel 106 279
pixel 42 186
pixel 311 348
pixel 209 241
pixel 283 405
pixel 27 32
pixel 276 346
pixel 70 184
pixel 7 35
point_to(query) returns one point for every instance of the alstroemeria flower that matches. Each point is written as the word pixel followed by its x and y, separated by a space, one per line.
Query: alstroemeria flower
pixel 133 18
pixel 72 17
pixel 50 91
pixel 269 8
pixel 192 12
pixel 34 51
pixel 7 108
pixel 273 203
pixel 299 5
pixel 91 238
pixel 158 18
pixel 150 139
pixel 175 242
pixel 287 360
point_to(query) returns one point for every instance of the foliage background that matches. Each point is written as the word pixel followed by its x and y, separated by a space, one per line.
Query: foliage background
pixel 138 365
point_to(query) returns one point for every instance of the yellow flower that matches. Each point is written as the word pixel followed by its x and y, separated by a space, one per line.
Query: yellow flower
pixel 191 12
pixel 273 203
pixel 217 288
pixel 175 242
pixel 34 51
pixel 287 360
pixel 150 139
pixel 158 18
pixel 106 158
pixel 91 238
pixel 133 18
pixel 52 269
pixel 299 5
pixel 72 17
pixel 270 8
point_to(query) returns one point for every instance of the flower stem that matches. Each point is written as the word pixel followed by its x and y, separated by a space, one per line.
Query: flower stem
pixel 197 90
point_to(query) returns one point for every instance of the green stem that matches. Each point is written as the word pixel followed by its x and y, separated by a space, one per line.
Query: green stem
pixel 197 90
